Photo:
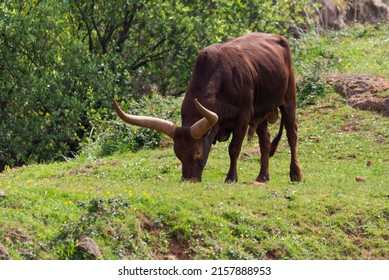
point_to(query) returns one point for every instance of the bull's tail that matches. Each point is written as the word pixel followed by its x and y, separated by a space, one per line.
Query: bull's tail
pixel 276 140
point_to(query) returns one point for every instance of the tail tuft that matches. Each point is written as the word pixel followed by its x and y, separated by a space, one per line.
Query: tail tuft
pixel 276 140
pixel 250 132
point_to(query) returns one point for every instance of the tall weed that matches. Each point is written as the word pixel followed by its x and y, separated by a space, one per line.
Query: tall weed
pixel 311 83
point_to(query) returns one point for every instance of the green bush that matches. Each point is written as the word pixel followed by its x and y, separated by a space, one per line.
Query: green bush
pixel 311 83
pixel 109 137
pixel 62 61
pixel 311 62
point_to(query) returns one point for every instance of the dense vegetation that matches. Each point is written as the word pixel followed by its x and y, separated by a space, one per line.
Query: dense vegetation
pixel 61 62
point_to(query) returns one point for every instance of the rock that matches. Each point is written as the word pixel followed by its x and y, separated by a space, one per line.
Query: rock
pixel 273 194
pixel 362 91
pixel 88 245
pixel 16 235
pixel 170 258
pixel 3 253
pixel 372 103
pixel 368 11
pixel 360 179
pixel 338 14
pixel 331 16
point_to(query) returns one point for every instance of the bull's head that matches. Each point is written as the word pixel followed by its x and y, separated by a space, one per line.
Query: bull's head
pixel 191 145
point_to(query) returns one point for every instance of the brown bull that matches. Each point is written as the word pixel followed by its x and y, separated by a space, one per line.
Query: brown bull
pixel 235 87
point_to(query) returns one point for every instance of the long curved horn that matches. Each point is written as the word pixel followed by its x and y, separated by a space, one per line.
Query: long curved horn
pixel 198 129
pixel 160 125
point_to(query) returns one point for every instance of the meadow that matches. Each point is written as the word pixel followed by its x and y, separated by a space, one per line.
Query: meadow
pixel 134 206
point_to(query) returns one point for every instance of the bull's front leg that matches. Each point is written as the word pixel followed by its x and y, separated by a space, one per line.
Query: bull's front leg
pixel 234 150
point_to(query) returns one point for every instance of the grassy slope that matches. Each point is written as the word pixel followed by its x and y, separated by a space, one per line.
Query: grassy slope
pixel 361 49
pixel 134 206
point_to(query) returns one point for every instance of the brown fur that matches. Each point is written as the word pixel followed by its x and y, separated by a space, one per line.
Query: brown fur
pixel 245 82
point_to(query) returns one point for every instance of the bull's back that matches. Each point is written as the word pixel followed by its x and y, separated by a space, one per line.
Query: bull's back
pixel 248 74
pixel 259 66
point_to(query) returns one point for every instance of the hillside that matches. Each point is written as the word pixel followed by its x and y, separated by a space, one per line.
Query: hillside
pixel 133 205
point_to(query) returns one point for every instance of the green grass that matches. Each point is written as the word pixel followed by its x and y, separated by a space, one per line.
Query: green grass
pixel 360 49
pixel 135 207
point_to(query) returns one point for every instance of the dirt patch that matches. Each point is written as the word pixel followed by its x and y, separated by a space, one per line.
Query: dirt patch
pixel 362 91
pixel 4 255
pixel 276 253
pixel 88 169
pixel 179 249
pixel 15 235
pixel 259 215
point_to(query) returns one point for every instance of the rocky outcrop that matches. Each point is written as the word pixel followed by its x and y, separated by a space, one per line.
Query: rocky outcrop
pixel 362 91
pixel 368 11
pixel 331 16
pixel 338 14
pixel 88 246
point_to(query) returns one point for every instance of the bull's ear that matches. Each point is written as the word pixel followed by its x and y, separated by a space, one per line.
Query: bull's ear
pixel 201 127
pixel 160 125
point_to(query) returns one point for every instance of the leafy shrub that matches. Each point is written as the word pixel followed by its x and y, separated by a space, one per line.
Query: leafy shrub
pixel 114 135
pixel 311 83
pixel 61 62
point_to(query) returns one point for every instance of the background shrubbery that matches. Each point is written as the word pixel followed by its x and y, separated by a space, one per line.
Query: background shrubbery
pixel 116 136
pixel 61 62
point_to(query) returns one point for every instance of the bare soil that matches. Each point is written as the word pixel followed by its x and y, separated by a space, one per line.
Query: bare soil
pixel 362 91
pixel 179 249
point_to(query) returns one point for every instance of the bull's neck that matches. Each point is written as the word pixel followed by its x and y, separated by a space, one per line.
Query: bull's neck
pixel 212 134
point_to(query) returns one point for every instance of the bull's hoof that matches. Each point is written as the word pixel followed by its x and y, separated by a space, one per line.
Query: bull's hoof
pixel 230 180
pixel 296 177
pixel 262 178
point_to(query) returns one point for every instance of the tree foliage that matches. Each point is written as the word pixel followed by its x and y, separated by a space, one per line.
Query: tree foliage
pixel 62 61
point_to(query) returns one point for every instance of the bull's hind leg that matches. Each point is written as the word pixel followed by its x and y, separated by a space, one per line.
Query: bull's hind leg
pixel 289 119
pixel 264 146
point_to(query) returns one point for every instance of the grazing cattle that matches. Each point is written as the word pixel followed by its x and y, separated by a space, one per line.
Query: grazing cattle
pixel 236 87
